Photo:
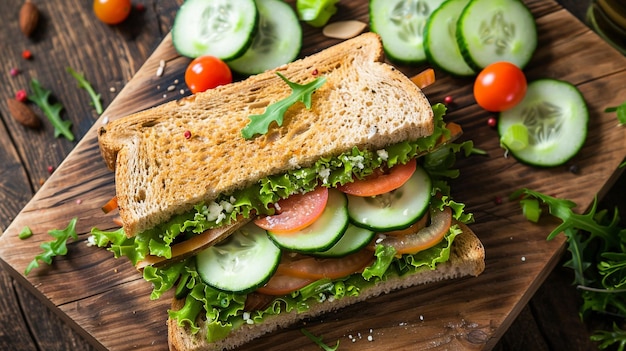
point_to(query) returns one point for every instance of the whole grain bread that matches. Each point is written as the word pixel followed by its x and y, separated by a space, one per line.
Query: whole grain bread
pixel 169 158
pixel 467 258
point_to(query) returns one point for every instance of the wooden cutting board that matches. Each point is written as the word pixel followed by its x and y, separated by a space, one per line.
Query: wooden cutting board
pixel 108 302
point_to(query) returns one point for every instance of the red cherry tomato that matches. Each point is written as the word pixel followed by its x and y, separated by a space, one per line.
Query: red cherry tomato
pixel 112 11
pixel 207 72
pixel 296 212
pixel 380 183
pixel 500 86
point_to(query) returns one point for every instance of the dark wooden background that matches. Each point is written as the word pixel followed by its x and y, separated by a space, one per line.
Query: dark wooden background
pixel 69 35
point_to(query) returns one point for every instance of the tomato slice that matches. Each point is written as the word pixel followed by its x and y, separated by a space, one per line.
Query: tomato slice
pixel 380 183
pixel 283 284
pixel 424 238
pixel 418 225
pixel 295 212
pixel 309 267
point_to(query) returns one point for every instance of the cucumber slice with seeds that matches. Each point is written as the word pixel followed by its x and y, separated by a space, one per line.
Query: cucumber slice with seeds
pixel 323 233
pixel 277 41
pixel 394 210
pixel 221 28
pixel 245 261
pixel 400 24
pixel 555 115
pixel 489 31
pixel 440 42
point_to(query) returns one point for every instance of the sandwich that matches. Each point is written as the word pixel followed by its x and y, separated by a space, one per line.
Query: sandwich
pixel 289 194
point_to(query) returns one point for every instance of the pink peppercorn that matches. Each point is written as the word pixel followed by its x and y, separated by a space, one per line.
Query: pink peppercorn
pixel 21 95
pixel 315 72
pixel 50 169
pixel 447 100
pixel 492 122
pixel 187 134
pixel 140 7
pixel 27 55
pixel 14 71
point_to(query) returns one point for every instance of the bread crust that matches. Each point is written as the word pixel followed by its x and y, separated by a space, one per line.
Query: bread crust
pixel 160 173
pixel 467 258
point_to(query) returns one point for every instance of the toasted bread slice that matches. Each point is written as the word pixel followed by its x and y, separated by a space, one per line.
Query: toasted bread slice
pixel 467 258
pixel 159 172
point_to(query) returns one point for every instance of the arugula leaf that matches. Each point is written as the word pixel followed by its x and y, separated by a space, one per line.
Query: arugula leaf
pixel 259 124
pixel 55 247
pixel 597 246
pixel 84 84
pixel 40 97
pixel 621 112
pixel 318 341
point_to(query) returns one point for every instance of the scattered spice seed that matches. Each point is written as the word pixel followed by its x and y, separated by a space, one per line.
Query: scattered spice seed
pixel 575 169
pixel 50 169
pixel 492 122
pixel 27 55
pixel 315 72
pixel 187 134
pixel 14 71
pixel 447 100
pixel 140 7
pixel 21 95
pixel 497 200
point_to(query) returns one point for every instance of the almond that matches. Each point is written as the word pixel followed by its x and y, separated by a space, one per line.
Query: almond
pixel 29 16
pixel 23 114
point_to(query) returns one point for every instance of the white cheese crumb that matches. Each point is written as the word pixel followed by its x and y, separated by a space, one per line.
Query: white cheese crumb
pixel 105 120
pixel 324 173
pixel 523 259
pixel 91 241
pixel 246 315
pixel 383 154
pixel 370 338
pixel 421 317
pixel 372 132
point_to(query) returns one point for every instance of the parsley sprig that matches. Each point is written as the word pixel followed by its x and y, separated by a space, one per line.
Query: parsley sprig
pixel 259 124
pixel 52 111
pixel 56 247
pixel 596 242
pixel 84 84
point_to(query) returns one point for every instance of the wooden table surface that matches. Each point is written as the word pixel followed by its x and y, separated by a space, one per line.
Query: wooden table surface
pixel 68 35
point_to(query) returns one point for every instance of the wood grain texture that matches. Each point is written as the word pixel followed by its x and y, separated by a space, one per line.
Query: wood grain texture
pixel 107 301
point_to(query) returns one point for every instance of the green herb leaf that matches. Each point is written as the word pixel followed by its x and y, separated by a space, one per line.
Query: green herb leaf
pixel 52 111
pixel 25 233
pixel 55 247
pixel 319 342
pixel 259 124
pixel 316 12
pixel 621 112
pixel 84 84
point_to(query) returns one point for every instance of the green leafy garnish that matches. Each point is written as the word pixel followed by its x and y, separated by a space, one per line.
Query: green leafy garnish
pixel 55 247
pixel 318 341
pixel 52 111
pixel 596 243
pixel 25 233
pixel 84 84
pixel 621 112
pixel 259 124
pixel 316 12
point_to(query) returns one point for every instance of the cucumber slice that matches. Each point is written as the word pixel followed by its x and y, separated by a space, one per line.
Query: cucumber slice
pixel 222 28
pixel 323 233
pixel 354 239
pixel 440 42
pixel 395 210
pixel 556 117
pixel 278 39
pixel 489 31
pixel 244 262
pixel 400 24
